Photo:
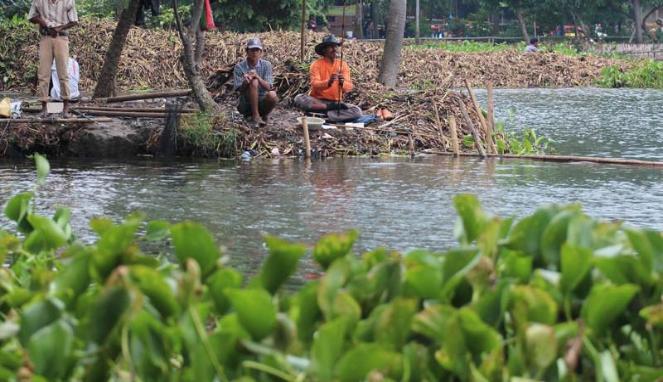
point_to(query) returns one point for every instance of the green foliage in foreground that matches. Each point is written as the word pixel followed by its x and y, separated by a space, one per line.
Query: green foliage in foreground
pixel 553 296
pixel 648 74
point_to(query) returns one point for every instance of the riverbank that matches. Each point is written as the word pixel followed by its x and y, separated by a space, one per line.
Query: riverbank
pixel 422 105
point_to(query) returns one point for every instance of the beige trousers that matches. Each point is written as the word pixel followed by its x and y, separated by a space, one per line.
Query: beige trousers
pixel 50 47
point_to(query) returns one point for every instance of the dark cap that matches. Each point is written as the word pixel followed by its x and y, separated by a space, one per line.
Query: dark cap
pixel 326 41
pixel 253 43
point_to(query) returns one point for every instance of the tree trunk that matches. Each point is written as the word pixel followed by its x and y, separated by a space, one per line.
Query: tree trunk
pixel 359 21
pixel 391 59
pixel 523 26
pixel 200 93
pixel 106 80
pixel 200 48
pixel 416 18
pixel 637 16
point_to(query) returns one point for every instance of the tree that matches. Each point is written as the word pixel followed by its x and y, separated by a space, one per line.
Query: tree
pixel 391 58
pixel 106 80
pixel 191 70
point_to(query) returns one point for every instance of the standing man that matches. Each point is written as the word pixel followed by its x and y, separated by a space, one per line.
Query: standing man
pixel 54 17
pixel 330 79
pixel 253 79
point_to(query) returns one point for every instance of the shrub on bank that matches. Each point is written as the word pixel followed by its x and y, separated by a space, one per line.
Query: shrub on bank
pixel 553 296
pixel 648 74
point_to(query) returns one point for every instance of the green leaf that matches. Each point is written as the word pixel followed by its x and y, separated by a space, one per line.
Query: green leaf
pixel 157 230
pixel 457 264
pixel 541 345
pixel 43 168
pixel 526 235
pixel 327 347
pixel 364 358
pixel 38 315
pixel 74 277
pixel 479 336
pixel 47 234
pixel 605 304
pixel 554 236
pixel 423 273
pixel 50 348
pixel 334 246
pixel 255 311
pixel 218 283
pixel 147 347
pixel 18 208
pixel 530 304
pixel 607 367
pixel 392 327
pixel 192 240
pixel 576 263
pixel 281 262
pixel 472 219
pixel 155 287
pixel 107 311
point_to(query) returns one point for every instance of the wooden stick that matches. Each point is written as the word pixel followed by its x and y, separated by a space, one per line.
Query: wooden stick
pixel 484 124
pixel 473 129
pixel 438 121
pixel 491 119
pixel 560 158
pixel 307 141
pixel 127 114
pixel 454 135
pixel 55 120
pixel 120 109
pixel 132 97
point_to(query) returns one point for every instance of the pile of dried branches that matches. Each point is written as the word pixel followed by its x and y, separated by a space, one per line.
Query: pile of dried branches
pixel 151 60
pixel 422 105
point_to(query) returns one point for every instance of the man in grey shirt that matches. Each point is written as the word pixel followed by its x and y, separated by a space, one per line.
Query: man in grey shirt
pixel 54 17
pixel 253 79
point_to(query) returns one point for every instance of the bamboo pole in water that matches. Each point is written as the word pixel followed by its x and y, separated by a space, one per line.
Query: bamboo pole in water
pixel 307 141
pixel 491 119
pixel 560 158
pixel 454 135
pixel 473 129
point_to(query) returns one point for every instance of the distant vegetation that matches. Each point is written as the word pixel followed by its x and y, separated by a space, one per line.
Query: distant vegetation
pixel 647 74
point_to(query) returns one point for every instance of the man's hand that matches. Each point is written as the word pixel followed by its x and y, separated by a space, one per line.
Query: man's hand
pixel 341 79
pixel 53 32
pixel 333 78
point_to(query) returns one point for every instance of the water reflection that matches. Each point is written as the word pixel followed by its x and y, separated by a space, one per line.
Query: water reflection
pixel 587 121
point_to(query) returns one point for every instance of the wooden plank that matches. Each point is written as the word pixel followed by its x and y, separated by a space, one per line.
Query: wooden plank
pixel 133 97
pixel 55 120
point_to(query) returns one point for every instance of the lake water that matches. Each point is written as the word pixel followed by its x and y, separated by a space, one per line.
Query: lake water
pixel 396 202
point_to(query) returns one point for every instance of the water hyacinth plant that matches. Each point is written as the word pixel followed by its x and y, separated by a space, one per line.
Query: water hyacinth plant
pixel 554 296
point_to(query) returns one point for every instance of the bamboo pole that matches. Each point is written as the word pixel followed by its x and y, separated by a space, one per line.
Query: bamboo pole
pixel 454 135
pixel 303 32
pixel 127 114
pixel 491 119
pixel 133 97
pixel 559 158
pixel 473 129
pixel 484 124
pixel 307 141
pixel 86 109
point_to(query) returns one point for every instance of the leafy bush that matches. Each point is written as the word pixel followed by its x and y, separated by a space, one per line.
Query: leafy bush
pixel 555 296
pixel 648 74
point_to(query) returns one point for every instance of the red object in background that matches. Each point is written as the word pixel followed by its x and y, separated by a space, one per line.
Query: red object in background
pixel 209 18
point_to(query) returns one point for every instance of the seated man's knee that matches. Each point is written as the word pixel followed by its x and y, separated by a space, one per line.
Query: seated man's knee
pixel 271 96
pixel 254 83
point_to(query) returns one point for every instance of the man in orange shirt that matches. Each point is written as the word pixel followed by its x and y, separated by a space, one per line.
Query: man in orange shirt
pixel 330 79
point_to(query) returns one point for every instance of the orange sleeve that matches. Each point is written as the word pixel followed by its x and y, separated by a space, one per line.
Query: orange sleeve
pixel 317 82
pixel 347 83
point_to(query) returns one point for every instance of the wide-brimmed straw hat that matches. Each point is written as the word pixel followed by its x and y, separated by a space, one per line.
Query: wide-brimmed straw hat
pixel 326 41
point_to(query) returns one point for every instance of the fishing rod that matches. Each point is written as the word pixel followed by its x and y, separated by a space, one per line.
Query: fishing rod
pixel 340 67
